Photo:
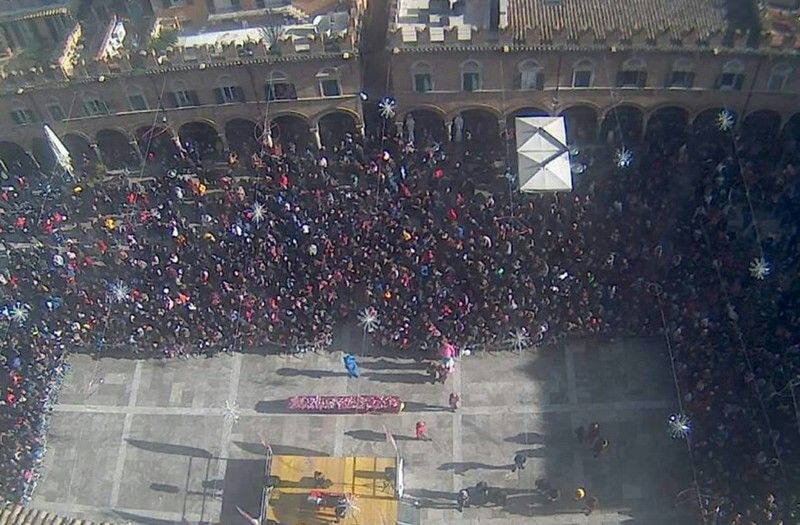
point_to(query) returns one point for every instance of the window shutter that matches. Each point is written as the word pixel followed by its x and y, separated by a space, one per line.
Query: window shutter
pixel 193 98
pixel 540 81
pixel 218 96
pixel 173 99
pixel 15 117
pixel 739 81
pixel 517 80
pixel 240 95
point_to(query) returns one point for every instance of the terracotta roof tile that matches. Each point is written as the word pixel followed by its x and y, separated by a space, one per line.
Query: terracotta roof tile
pixel 629 17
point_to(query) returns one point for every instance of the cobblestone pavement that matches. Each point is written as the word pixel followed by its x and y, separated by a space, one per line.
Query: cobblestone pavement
pixel 153 441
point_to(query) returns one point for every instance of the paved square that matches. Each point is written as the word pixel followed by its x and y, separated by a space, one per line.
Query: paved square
pixel 149 441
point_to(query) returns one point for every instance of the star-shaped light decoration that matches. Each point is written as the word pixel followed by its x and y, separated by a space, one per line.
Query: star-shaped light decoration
pixel 386 107
pixel 623 157
pixel 259 212
pixel 368 320
pixel 679 426
pixel 759 268
pixel 231 412
pixel 725 120
pixel 119 291
pixel 519 339
pixel 19 313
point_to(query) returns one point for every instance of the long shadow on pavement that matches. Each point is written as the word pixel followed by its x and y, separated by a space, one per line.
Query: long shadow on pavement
pixel 413 406
pixel 371 435
pixel 387 364
pixel 526 438
pixel 273 406
pixel 281 450
pixel 465 466
pixel 411 379
pixel 169 448
pixel 314 374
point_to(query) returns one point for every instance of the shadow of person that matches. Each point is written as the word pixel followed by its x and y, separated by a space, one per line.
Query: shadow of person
pixel 410 379
pixel 314 374
pixel 371 435
pixel 465 466
pixel 526 438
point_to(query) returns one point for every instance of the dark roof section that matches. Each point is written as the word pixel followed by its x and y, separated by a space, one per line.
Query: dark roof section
pixel 649 18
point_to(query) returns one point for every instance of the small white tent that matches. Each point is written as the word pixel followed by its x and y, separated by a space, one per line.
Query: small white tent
pixel 542 154
pixel 63 159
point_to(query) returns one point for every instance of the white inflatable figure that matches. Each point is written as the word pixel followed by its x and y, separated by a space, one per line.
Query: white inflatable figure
pixel 410 123
pixel 458 124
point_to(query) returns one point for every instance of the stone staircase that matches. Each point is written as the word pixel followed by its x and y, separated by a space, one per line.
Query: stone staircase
pixel 17 515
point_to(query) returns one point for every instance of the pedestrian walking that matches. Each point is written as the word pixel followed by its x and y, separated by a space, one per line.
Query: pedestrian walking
pixel 421 431
pixel 594 432
pixel 463 499
pixel 351 366
pixel 590 504
pixel 519 462
pixel 580 434
pixel 454 400
pixel 599 446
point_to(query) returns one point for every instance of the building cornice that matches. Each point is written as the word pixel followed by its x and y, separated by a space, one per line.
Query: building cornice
pixel 521 48
pixel 222 64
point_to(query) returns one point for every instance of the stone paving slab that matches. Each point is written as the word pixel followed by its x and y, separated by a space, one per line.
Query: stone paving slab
pixel 151 442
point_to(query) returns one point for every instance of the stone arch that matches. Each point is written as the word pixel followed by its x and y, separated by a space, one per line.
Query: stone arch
pixel 43 154
pixel 581 124
pixel 428 125
pixel 155 143
pixel 243 135
pixel 791 130
pixel 14 157
pixel 528 111
pixel 334 125
pixel 625 119
pixel 116 148
pixel 291 128
pixel 202 138
pixel 481 124
pixel 762 123
pixel 80 148
pixel 707 121
pixel 667 125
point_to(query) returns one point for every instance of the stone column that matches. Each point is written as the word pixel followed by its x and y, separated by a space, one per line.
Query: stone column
pixel 449 128
pixel 317 138
pixel 135 145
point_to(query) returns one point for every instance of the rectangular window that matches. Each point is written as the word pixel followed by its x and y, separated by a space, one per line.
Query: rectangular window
pixel 22 116
pixel 422 82
pixel 681 79
pixel 56 112
pixel 582 79
pixel 730 81
pixel 280 91
pixel 137 102
pixel 471 82
pixel 95 107
pixel 231 94
pixel 777 82
pixel 531 80
pixel 330 88
pixel 185 98
pixel 636 79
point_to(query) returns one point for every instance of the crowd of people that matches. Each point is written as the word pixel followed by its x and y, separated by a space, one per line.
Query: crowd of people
pixel 288 243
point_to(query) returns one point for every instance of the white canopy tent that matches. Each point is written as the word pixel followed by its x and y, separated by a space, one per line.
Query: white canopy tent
pixel 542 154
pixel 63 159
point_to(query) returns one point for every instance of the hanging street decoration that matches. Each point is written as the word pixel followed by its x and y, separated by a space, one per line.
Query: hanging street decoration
pixel 386 107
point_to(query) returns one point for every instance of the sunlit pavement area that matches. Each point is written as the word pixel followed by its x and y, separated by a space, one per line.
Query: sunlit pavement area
pixel 149 441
